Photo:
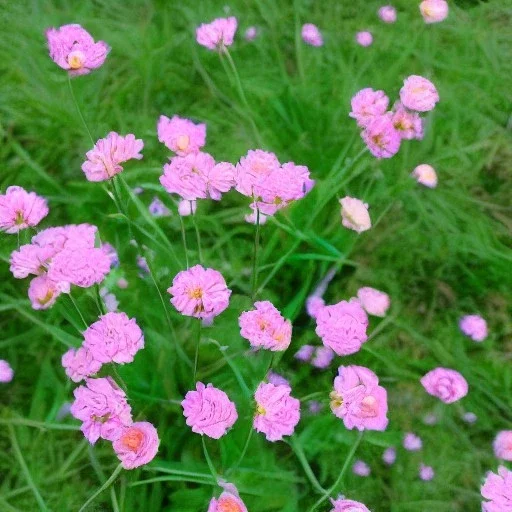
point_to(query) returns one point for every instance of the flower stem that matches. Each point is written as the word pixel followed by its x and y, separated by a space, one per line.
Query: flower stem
pixel 79 110
pixel 78 309
pixel 299 452
pixel 198 238
pixel 244 451
pixel 198 341
pixel 209 460
pixel 184 238
pixel 106 485
pixel 255 256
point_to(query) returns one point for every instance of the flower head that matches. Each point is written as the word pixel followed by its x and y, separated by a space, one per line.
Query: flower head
pixel 6 372
pixel 354 214
pixel 374 301
pixel 344 505
pixel 305 353
pixel 209 411
pixel 409 125
pixel 79 364
pixel 503 445
pixel 470 417
pixel 20 209
pixel 426 473
pixel 419 94
pixel 447 385
pixel 251 33
pixel 497 489
pixel 434 11
pixel 425 175
pixel 158 209
pixel 368 104
pixel 228 501
pixel 322 358
pixel 252 170
pixel 313 305
pixel 136 444
pixel 381 137
pixel 181 135
pixel 387 13
pixel 389 456
pixel 43 292
pixel 412 442
pixel 312 35
pixel 218 34
pixel 474 326
pixel 364 38
pixel 360 468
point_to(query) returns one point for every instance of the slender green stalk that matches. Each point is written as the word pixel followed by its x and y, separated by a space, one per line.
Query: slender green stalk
pixel 299 452
pixel 38 424
pixel 184 238
pixel 254 285
pixel 244 451
pixel 198 238
pixel 106 485
pixel 209 460
pixel 79 110
pixel 298 42
pixel 78 309
pixel 196 358
pixel 122 383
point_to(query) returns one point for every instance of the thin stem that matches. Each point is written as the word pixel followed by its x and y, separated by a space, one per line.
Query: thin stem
pixel 184 238
pixel 79 110
pixel 299 452
pixel 209 460
pixel 196 358
pixel 78 309
pixel 255 256
pixel 198 238
pixel 298 43
pixel 244 451
pixel 107 484
pixel 99 301
pixel 119 378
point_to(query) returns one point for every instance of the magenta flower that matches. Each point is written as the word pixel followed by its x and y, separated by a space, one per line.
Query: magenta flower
pixel 43 292
pixel 79 364
pixel 265 327
pixel 322 358
pixel 434 11
pixel 474 326
pixel 114 338
pixel 502 445
pixel 381 137
pixel 387 13
pixel 305 353
pixel 220 179
pixel 342 327
pixel 199 292
pixel 368 104
pixel 354 214
pixel 389 456
pixel 72 48
pixel 419 94
pixel 6 372
pixel 186 208
pixel 104 159
pixel 426 473
pixel 251 33
pixel 409 125
pixel 344 505
pixel 425 175
pixel 228 501
pixel 136 444
pixel 209 411
pixel 218 34
pixel 252 170
pixel 181 135
pixel 447 385
pixel 102 407
pixel 20 209
pixel 374 301
pixel 277 413
pixel 312 35
pixel 412 442
pixel 359 400
pixel 364 38
pixel 360 468
pixel 497 489
pixel 30 259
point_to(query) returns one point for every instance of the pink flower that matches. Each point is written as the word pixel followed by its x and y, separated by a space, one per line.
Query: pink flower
pixel 368 104
pixel 412 442
pixel 251 33
pixel 425 175
pixel 277 413
pixel 199 292
pixel 448 385
pixel 313 305
pixel 434 11
pixel 323 357
pixel 6 372
pixel 209 411
pixel 104 159
pixel 218 34
pixel 265 327
pixel 305 353
pixel 497 489
pixel 72 48
pixel 354 214
pixel 72 236
pixel 409 125
pixel 114 338
pixel 419 94
pixel 387 13
pixel 43 292
pixel 360 468
pixel 503 445
pixel 342 327
pixel 136 445
pixel 220 179
pixel 474 326
pixel 181 135
pixel 374 301
pixel 111 252
pixel 228 501
pixel 343 505
pixel 426 472
pixel 381 137
pixel 252 170
pixel 30 259
pixel 252 218
pixel 102 407
pixel 364 38
pixel 79 364
pixel 389 456
pixel 20 209
pixel 186 208
pixel 277 380
pixel 359 400
pixel 312 35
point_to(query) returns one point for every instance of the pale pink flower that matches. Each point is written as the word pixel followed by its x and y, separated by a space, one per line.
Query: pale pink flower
pixel 474 326
pixel 6 372
pixel 251 33
pixel 342 327
pixel 425 175
pixel 470 417
pixel 277 413
pixel 434 11
pixel 114 338
pixel 79 364
pixel 312 35
pixel 305 353
pixel 265 327
pixel 409 125
pixel 344 505
pixel 446 384
pixel 72 236
pixel 104 159
pixel 252 218
pixel 199 292
pixel 497 489
pixel 228 501
pixel 354 214
pixel 209 411
pixel 374 301
pixel 503 445
pixel 419 94
pixel 368 104
pixel 389 456
pixel 426 473
pixel 20 209
pixel 136 445
pixel 43 292
pixel 322 358
pixel 359 400
pixel 122 283
pixel 381 137
pixel 412 442
pixel 218 34
pixel 186 208
pixel 360 468
pixel 387 13
pixel 72 48
pixel 252 170
pixel 181 135
pixel 220 179
pixel 30 259
pixel 313 305
pixel 277 380
pixel 109 300
pixel 102 407
pixel 364 38
pixel 158 209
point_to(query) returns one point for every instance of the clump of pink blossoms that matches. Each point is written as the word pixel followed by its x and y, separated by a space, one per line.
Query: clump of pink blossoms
pixel 136 444
pixel 446 384
pixel 354 214
pixel 387 13
pixel 104 159
pixel 419 94
pixel 368 104
pixel 474 326
pixel 228 501
pixel 374 301
pixel 502 445
pixel 409 125
pixel 364 38
pixel 181 135
pixel 412 442
pixel 79 364
pixel 6 372
pixel 20 209
pixel 434 11
pixel 277 413
pixel 209 411
pixel 381 137
pixel 425 175
pixel 72 48
pixel 218 34
pixel 265 327
pixel 344 505
pixel 312 35
pixel 497 489
pixel 426 473
pixel 359 400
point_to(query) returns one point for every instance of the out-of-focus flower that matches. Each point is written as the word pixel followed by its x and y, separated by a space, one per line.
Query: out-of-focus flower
pixel 419 94
pixel 389 456
pixel 315 406
pixel 136 445
pixel 72 48
pixel 277 380
pixel 430 419
pixel 109 300
pixel 79 364
pixel 381 137
pixel 181 135
pixel 387 13
pixel 446 384
pixel 111 252
pixel 314 305
pixel 322 358
pixel 354 214
pixel 409 125
pixel 374 301
pixel 425 175
pixel 368 104
pixel 122 283
pixel 497 489
pixel 426 473
pixel 218 34
pixel 6 372
pixel 305 353
pixel 412 442
pixel 344 505
pixel 312 35
pixel 186 208
pixel 470 417
pixel 252 218
pixel 251 33
pixel 364 38
pixel 474 326
pixel 360 468
pixel 158 209
pixel 142 264
pixel 228 501
pixel 209 411
pixel 434 11
pixel 20 209
pixel 503 445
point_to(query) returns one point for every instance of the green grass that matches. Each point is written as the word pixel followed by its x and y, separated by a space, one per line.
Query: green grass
pixel 438 253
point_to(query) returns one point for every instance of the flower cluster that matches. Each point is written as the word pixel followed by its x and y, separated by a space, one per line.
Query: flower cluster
pixel 6 372
pixel 20 209
pixel 497 489
pixel 387 13
pixel 446 384
pixel 217 35
pixel 311 35
pixel 374 302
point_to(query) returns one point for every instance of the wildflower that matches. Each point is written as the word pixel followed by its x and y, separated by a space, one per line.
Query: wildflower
pixel 20 209
pixel 381 137
pixel 344 505
pixel 364 38
pixel 43 292
pixel 322 358
pixel 158 209
pixel 304 353
pixel 312 35
pixel 503 445
pixel 389 456
pixel 6 372
pixel 251 33
pixel 111 252
pixel 368 104
pixel 104 159
pixel 228 501
pixel 426 472
pixel 447 385
pixel 470 417
pixel 387 13
pixel 497 489
pixel 354 214
pixel 430 419
pixel 72 48
pixel 409 125
pixel 109 300
pixel 434 11
pixel 72 236
pixel 419 94
pixel 474 326
pixel 314 305
pixel 315 406
pixel 209 411
pixel 374 301
pixel 79 364
pixel 220 179
pixel 412 442
pixel 136 444
pixel 425 175
pixel 181 135
pixel 360 468
pixel 30 259
pixel 277 380
pixel 252 170
pixel 218 34
pixel 186 208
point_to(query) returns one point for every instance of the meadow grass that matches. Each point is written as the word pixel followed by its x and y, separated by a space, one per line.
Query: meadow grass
pixel 438 253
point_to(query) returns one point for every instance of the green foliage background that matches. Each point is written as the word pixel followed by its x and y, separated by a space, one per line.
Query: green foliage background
pixel 438 253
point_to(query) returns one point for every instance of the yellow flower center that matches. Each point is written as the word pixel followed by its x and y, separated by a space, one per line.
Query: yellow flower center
pixel 183 142
pixel 336 400
pixel 47 298
pixel 75 60
pixel 19 218
pixel 260 410
pixel 195 293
